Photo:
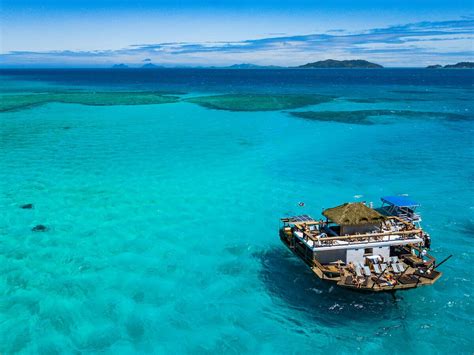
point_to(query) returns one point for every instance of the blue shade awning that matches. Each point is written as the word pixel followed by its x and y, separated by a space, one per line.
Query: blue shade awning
pixel 400 201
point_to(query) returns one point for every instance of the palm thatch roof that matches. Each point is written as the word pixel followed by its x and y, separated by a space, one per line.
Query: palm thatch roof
pixel 353 214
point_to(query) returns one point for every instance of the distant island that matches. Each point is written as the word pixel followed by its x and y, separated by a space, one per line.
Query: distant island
pixel 252 66
pixel 150 66
pixel 332 63
pixel 460 65
pixel 329 63
pixel 322 64
pixel 120 66
pixel 125 66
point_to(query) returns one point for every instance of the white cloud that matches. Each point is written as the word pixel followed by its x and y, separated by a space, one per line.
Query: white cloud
pixel 414 44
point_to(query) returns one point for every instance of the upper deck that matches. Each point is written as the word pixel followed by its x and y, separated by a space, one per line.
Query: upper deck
pixel 353 225
pixel 394 233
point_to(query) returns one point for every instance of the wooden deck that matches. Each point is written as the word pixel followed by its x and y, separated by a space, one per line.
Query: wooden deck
pixel 374 283
pixel 389 281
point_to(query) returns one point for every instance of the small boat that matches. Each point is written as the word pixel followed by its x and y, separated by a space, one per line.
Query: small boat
pixel 362 248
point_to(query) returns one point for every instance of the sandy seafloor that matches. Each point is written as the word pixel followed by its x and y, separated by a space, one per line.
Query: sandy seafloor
pixel 163 219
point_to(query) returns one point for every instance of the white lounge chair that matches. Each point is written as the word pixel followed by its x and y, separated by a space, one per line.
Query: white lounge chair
pixel 383 267
pixel 401 267
pixel 394 259
pixel 367 271
pixel 377 269
pixel 358 271
pixel 395 268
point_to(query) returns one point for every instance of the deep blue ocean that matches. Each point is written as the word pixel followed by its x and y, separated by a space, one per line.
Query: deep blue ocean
pixel 162 218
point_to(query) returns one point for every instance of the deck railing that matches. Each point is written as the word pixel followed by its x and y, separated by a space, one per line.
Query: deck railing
pixel 357 238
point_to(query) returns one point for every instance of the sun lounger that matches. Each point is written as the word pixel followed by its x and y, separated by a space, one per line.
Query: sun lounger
pixel 395 268
pixel 377 269
pixel 366 271
pixel 358 271
pixel 401 267
pixel 383 267
pixel 394 259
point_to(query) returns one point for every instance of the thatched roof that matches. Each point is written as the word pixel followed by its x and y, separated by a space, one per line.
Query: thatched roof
pixel 353 214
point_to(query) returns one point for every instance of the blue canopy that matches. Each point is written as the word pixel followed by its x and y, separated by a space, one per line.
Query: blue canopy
pixel 400 201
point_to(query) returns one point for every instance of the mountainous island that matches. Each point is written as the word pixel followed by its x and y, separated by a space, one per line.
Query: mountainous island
pixel 460 65
pixel 120 66
pixel 150 66
pixel 332 63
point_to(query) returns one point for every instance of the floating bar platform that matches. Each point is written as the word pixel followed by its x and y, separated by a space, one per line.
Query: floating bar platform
pixel 365 249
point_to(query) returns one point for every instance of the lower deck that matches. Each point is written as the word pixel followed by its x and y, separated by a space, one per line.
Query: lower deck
pixel 390 281
pixel 408 271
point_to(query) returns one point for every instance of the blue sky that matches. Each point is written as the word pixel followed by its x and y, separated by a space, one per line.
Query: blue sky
pixel 100 33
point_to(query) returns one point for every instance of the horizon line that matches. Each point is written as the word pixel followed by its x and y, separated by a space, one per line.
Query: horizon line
pixel 229 67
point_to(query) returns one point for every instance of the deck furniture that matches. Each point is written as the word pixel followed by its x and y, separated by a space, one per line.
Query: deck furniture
pixel 413 261
pixel 377 268
pixel 432 274
pixel 395 269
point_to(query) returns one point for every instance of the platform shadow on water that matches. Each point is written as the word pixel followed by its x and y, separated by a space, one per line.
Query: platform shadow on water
pixel 288 279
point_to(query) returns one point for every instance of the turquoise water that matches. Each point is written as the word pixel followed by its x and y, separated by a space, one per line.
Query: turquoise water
pixel 163 219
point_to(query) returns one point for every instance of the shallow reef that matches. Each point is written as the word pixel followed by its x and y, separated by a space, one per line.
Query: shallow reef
pixel 259 102
pixel 416 92
pixel 377 100
pixel 10 102
pixel 370 117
